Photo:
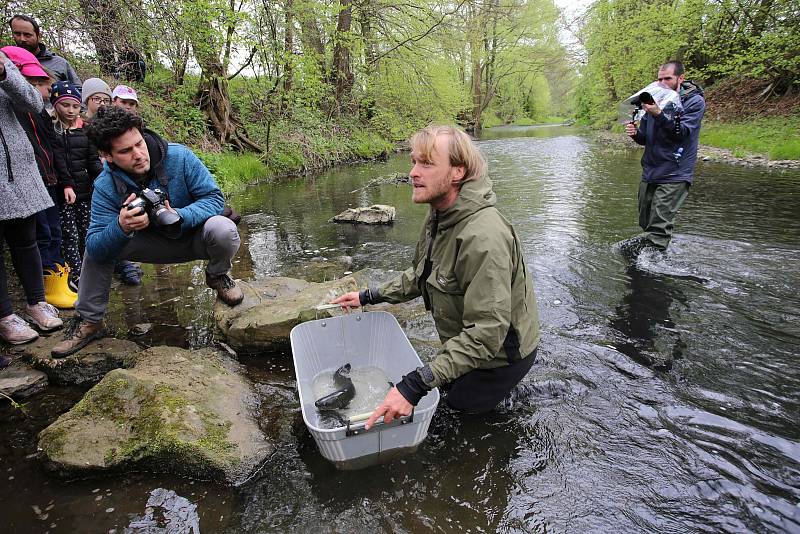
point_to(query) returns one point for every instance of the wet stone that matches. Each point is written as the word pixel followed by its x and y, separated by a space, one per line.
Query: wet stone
pixel 375 214
pixel 189 413
pixel 86 366
pixel 273 306
pixel 20 380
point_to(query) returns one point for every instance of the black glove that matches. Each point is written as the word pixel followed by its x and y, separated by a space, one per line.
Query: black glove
pixel 369 296
pixel 413 387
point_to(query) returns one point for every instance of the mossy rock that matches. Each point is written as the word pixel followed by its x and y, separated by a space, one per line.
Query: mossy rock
pixel 275 305
pixel 178 411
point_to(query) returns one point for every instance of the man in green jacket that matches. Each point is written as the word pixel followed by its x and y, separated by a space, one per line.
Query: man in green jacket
pixel 469 269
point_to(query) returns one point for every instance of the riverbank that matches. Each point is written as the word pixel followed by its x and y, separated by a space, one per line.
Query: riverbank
pixel 733 153
pixel 292 141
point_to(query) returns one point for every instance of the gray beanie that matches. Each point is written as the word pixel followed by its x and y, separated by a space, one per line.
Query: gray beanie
pixel 92 86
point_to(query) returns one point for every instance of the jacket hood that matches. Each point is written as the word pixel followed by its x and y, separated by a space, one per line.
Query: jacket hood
pixel 689 88
pixel 157 147
pixel 474 196
pixel 43 52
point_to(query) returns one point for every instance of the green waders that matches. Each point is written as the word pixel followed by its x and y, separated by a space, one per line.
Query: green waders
pixel 658 206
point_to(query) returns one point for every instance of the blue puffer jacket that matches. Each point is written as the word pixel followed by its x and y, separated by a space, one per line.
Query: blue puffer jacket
pixel 670 153
pixel 191 188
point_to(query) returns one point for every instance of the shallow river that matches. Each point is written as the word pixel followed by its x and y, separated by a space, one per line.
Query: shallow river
pixel 604 436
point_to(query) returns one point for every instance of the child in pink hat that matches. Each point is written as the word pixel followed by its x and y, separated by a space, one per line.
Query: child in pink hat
pixel 125 97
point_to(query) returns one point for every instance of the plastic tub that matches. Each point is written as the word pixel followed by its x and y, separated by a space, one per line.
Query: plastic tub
pixel 364 339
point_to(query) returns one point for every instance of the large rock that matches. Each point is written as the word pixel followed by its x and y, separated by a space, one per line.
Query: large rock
pixel 177 411
pixel 375 214
pixel 273 306
pixel 86 366
pixel 20 381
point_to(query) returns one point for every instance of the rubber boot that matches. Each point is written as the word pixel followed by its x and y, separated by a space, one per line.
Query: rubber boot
pixel 72 282
pixel 56 289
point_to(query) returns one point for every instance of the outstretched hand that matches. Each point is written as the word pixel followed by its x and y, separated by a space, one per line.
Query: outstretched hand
pixel 348 300
pixel 392 407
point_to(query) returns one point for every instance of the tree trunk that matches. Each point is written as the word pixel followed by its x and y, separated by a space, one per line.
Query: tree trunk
pixel 103 27
pixel 288 49
pixel 215 102
pixel 342 75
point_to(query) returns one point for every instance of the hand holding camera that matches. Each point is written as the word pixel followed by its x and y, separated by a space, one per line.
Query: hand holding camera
pixel 132 220
pixel 150 205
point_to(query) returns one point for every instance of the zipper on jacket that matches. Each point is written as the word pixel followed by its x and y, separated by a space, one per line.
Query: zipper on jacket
pixel 8 157
pixel 48 160
pixel 426 270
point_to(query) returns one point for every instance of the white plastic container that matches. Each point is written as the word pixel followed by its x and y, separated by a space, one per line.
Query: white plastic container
pixel 364 339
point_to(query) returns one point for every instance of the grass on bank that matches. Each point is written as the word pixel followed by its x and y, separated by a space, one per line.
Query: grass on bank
pixel 234 171
pixel 774 137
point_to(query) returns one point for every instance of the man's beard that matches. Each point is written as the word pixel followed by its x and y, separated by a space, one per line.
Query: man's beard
pixel 30 48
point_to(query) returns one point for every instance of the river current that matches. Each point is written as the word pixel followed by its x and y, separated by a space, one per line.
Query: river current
pixel 665 397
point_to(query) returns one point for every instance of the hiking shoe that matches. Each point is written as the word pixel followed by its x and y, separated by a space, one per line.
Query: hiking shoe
pixel 77 335
pixel 43 315
pixel 129 273
pixel 15 331
pixel 227 290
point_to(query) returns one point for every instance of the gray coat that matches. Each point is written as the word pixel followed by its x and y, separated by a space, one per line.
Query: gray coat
pixel 22 191
pixel 59 66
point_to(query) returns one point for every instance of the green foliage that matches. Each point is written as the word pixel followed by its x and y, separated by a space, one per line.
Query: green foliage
pixel 170 109
pixel 626 40
pixel 776 137
pixel 234 171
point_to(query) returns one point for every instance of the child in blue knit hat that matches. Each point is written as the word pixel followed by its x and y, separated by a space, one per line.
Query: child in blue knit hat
pixel 84 166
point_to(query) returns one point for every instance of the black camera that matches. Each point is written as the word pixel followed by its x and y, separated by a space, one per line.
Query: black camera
pixel 151 201
pixel 643 98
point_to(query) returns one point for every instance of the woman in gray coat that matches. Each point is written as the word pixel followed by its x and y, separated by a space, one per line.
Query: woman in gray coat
pixel 22 195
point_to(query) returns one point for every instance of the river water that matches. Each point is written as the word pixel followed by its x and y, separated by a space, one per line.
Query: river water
pixel 604 436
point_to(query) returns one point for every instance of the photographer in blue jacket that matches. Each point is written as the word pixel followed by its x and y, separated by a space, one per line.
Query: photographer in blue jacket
pixel 670 153
pixel 154 202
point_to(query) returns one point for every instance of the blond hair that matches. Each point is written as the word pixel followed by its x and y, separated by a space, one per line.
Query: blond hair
pixel 462 152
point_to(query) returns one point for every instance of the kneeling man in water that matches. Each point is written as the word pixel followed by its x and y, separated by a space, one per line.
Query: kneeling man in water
pixel 469 269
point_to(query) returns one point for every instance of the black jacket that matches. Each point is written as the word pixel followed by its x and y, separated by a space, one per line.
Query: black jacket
pixel 82 161
pixel 48 148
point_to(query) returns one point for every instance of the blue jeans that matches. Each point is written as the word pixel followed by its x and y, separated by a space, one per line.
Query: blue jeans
pixel 48 233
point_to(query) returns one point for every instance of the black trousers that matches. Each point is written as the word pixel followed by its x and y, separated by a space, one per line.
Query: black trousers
pixel 480 390
pixel 20 235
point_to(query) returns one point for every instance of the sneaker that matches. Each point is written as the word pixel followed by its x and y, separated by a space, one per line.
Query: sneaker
pixel 43 315
pixel 129 273
pixel 15 331
pixel 227 290
pixel 77 335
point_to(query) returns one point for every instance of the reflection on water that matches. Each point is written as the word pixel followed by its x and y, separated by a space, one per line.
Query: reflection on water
pixel 600 437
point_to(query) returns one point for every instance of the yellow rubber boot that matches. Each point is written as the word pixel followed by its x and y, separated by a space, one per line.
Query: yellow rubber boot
pixel 56 290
